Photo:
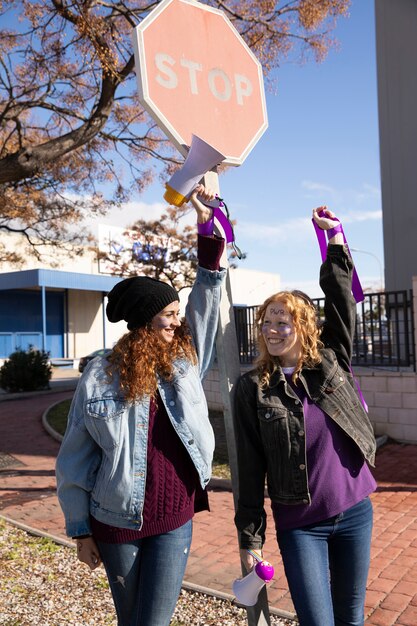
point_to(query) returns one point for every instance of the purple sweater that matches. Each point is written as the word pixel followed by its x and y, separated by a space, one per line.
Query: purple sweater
pixel 338 476
pixel 171 480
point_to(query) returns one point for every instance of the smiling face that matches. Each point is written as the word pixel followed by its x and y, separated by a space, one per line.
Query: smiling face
pixel 280 335
pixel 167 321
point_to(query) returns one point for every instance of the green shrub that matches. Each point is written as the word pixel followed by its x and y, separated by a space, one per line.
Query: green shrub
pixel 26 371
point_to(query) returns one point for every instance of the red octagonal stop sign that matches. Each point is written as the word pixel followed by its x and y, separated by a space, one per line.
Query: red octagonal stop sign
pixel 197 75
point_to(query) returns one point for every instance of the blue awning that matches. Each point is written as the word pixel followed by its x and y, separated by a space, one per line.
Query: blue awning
pixel 53 279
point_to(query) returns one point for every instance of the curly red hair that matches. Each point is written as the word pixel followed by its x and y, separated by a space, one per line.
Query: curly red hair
pixel 304 316
pixel 140 355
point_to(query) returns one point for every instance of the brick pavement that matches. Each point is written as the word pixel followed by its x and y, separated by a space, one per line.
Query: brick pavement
pixel 27 496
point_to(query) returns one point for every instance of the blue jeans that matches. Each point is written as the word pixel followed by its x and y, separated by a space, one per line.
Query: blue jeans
pixel 326 565
pixel 145 576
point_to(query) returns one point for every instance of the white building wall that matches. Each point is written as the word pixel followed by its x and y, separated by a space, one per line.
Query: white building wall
pixel 250 287
pixel 85 326
pixel 114 332
pixel 57 259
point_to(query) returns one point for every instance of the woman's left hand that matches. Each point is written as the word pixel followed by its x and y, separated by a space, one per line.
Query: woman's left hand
pixel 327 221
pixel 87 552
pixel 248 560
pixel 204 213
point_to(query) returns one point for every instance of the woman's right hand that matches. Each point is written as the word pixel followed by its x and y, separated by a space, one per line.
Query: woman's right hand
pixel 248 560
pixel 87 552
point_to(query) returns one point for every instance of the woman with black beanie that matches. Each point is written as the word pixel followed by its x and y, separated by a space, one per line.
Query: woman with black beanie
pixel 136 457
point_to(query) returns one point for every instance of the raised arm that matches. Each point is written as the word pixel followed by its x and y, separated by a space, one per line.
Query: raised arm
pixel 336 283
pixel 202 311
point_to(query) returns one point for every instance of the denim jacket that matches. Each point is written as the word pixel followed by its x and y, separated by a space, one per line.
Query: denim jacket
pixel 269 423
pixel 101 465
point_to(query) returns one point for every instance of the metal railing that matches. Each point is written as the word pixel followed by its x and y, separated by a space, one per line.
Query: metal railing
pixel 384 332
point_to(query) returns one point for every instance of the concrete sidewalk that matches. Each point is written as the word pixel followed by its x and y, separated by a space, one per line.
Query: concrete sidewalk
pixel 27 497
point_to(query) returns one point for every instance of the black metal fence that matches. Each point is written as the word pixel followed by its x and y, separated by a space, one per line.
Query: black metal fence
pixel 384 333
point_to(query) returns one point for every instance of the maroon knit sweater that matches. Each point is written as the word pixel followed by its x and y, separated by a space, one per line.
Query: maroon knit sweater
pixel 171 480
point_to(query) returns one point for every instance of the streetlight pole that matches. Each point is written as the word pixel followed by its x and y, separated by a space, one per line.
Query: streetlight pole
pixel 381 272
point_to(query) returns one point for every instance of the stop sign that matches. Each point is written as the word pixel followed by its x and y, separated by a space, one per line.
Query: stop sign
pixel 196 75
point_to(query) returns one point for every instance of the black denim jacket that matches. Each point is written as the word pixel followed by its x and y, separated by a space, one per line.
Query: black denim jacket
pixel 269 423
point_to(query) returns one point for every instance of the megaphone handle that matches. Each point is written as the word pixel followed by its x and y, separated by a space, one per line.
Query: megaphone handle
pixel 255 555
pixel 212 204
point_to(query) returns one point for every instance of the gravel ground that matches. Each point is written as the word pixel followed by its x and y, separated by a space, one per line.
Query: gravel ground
pixel 43 584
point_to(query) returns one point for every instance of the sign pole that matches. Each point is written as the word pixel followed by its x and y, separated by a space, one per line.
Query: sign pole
pixel 228 361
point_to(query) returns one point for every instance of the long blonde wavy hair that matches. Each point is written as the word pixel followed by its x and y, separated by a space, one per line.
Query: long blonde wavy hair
pixel 141 354
pixel 304 316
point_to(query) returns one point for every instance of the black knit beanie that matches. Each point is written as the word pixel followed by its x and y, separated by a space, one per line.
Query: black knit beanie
pixel 136 300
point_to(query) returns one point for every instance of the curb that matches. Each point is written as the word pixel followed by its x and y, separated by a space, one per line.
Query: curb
pixel 51 431
pixel 232 599
pixel 38 533
pixel 221 484
pixel 56 388
pixel 381 440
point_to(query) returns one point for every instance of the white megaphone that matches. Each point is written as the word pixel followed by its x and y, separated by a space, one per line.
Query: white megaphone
pixel 200 159
pixel 246 590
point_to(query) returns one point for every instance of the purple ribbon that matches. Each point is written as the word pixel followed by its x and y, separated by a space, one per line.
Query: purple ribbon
pixel 356 285
pixel 216 205
pixel 224 223
pixel 206 229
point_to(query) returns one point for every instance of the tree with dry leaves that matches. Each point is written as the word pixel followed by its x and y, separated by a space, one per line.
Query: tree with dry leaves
pixel 70 122
pixel 164 249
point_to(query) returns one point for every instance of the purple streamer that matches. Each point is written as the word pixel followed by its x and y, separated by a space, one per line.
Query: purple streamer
pixel 216 205
pixel 356 286
pixel 224 222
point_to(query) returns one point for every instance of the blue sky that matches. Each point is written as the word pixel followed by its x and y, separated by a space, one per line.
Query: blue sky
pixel 321 147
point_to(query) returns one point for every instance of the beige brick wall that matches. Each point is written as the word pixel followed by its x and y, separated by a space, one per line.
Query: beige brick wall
pixel 392 402
pixel 212 389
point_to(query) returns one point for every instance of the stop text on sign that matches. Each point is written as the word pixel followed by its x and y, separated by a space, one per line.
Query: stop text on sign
pixel 220 84
pixel 197 76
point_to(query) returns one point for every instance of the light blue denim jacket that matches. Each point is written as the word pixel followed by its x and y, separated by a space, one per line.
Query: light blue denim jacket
pixel 101 465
